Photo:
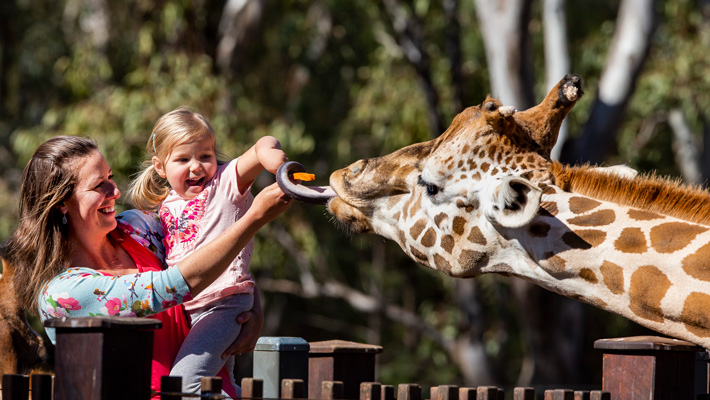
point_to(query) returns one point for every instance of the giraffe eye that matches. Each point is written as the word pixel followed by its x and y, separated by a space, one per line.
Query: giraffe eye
pixel 431 189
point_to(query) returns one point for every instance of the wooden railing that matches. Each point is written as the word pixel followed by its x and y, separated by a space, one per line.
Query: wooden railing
pixel 107 358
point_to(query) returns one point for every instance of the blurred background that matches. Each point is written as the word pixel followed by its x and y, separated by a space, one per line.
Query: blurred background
pixel 336 81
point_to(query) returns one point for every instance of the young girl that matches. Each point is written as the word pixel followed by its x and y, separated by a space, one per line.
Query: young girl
pixel 204 197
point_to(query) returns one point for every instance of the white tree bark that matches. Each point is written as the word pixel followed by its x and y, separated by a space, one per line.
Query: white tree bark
pixel 636 24
pixel 504 26
pixel 685 148
pixel 238 19
pixel 557 62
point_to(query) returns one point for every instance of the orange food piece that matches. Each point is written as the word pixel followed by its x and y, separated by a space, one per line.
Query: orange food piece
pixel 303 176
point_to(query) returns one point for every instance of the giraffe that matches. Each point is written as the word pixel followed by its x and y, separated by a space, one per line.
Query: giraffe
pixel 22 350
pixel 485 197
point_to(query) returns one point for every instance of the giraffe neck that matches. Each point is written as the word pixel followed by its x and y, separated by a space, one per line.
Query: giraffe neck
pixel 646 266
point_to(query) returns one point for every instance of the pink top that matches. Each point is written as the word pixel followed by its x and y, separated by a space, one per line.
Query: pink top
pixel 188 224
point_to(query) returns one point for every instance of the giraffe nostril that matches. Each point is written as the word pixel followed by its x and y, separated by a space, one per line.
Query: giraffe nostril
pixel 356 167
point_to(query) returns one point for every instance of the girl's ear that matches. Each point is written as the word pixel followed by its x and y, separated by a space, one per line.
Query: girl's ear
pixel 158 166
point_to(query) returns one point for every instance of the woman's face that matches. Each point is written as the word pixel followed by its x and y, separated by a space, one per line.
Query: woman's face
pixel 90 209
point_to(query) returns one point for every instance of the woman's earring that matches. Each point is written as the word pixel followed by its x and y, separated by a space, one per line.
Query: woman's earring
pixel 64 219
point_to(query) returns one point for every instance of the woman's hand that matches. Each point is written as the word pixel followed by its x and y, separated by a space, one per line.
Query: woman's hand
pixel 252 322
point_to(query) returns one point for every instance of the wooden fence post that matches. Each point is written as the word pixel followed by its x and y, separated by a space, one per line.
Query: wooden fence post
pixel 370 391
pixel 41 385
pixel 468 393
pixel 448 392
pixel 648 367
pixel 409 391
pixel 386 392
pixel 559 394
pixel 339 360
pixel 170 386
pixel 523 393
pixel 15 387
pixel 486 393
pixel 292 389
pixel 95 357
pixel 279 358
pixel 332 390
pixel 210 387
pixel 252 388
pixel 599 395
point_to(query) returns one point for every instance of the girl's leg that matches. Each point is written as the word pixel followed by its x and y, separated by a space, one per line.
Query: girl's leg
pixel 213 330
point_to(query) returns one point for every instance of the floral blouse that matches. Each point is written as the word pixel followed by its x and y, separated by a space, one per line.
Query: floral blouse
pixel 84 292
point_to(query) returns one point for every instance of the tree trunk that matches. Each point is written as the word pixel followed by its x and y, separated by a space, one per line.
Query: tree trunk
pixel 557 62
pixel 635 27
pixel 504 26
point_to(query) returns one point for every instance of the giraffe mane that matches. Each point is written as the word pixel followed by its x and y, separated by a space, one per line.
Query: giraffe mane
pixel 648 192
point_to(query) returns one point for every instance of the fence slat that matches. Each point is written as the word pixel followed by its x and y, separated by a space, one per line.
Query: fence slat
pixel 210 387
pixel 523 393
pixel 332 390
pixel 170 385
pixel 487 393
pixel 581 395
pixel 559 394
pixel 370 391
pixel 292 389
pixel 15 387
pixel 41 386
pixel 252 388
pixel 467 393
pixel 409 391
pixel 448 392
pixel 599 395
pixel 386 392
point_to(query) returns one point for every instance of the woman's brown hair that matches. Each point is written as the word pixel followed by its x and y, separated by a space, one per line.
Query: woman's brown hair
pixel 39 249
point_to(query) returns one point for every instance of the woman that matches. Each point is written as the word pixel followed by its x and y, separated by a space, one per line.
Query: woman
pixel 71 260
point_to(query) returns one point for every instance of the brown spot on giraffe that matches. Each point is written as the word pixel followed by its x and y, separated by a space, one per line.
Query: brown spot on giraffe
pixel 613 276
pixel 639 215
pixel 447 243
pixel 579 205
pixel 472 257
pixel 484 167
pixel 539 229
pixel 697 264
pixel 648 287
pixel 440 218
pixel 441 264
pixel 597 218
pixel 553 262
pixel 417 228
pixel 695 314
pixel 588 275
pixel 429 238
pixel 673 236
pixel 418 255
pixel 416 207
pixel 631 240
pixel 549 207
pixel 459 225
pixel 476 236
pixel 584 239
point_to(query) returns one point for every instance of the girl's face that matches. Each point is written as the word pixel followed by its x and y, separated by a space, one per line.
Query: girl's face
pixel 90 208
pixel 189 166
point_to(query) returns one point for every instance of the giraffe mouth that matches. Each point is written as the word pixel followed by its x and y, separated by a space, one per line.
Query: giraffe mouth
pixel 292 187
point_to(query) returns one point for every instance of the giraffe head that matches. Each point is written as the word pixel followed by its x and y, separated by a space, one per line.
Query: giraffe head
pixel 443 201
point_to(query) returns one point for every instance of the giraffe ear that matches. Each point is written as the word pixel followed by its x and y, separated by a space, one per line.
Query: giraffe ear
pixel 512 203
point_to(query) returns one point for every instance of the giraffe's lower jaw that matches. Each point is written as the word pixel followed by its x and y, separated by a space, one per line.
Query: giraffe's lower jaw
pixel 349 216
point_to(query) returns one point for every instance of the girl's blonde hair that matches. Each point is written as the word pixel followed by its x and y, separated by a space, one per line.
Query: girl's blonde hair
pixel 179 126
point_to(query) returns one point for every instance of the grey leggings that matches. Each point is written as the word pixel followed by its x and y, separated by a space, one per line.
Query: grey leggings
pixel 213 329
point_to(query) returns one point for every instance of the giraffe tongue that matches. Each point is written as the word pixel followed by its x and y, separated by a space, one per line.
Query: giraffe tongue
pixel 306 194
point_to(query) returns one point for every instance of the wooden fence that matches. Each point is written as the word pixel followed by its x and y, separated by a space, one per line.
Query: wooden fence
pixel 103 358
